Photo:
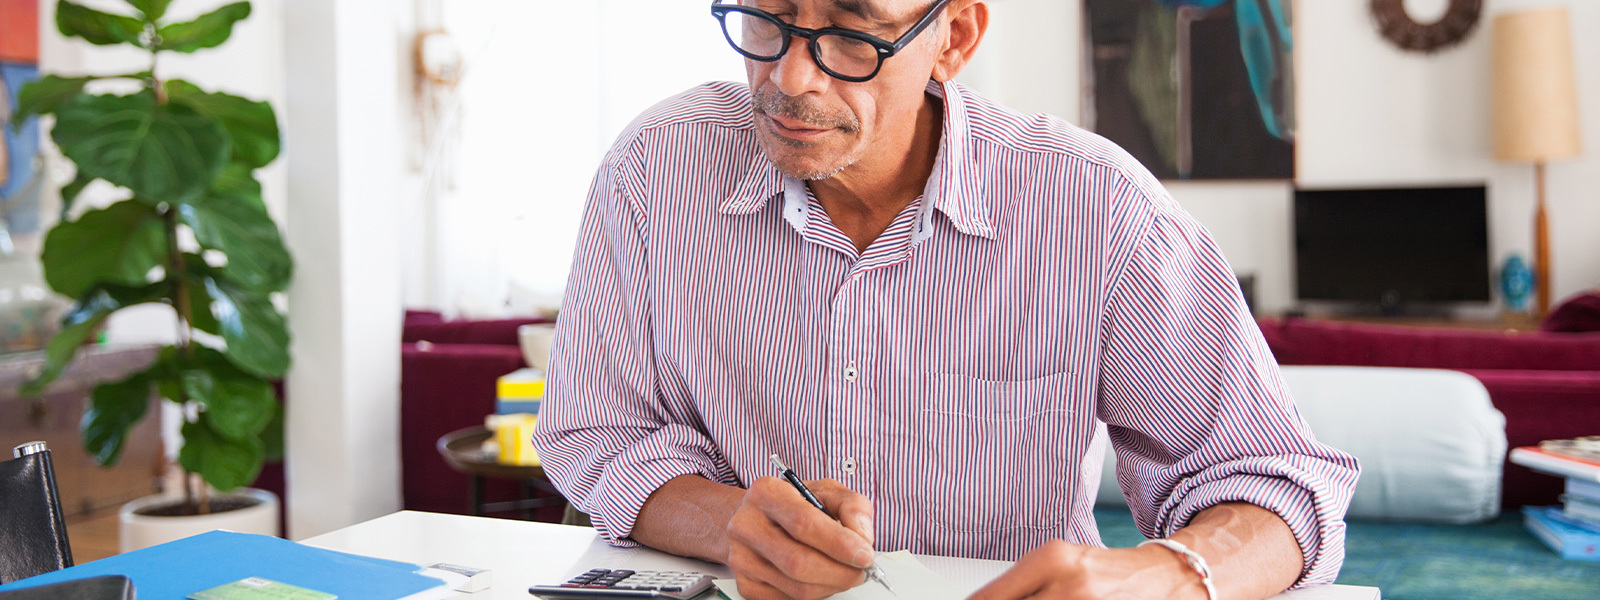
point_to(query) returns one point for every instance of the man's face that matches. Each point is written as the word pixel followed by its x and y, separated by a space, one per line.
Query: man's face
pixel 813 126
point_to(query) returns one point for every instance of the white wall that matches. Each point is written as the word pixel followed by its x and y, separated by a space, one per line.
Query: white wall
pixel 1369 114
pixel 346 64
pixel 538 112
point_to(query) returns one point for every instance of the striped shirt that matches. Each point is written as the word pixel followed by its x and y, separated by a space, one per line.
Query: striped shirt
pixel 955 372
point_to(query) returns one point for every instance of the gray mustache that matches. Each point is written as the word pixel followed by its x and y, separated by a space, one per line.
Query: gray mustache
pixel 773 103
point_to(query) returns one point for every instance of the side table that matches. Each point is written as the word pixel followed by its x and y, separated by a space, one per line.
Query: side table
pixel 463 450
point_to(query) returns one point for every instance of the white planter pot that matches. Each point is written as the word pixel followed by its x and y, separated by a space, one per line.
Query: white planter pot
pixel 141 531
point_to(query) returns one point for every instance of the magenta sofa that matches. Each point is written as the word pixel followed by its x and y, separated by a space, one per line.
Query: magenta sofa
pixel 1546 383
pixel 447 382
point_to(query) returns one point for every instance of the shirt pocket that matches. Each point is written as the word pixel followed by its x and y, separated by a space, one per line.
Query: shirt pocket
pixel 996 452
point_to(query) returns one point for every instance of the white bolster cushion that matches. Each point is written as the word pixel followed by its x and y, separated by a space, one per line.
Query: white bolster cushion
pixel 1430 443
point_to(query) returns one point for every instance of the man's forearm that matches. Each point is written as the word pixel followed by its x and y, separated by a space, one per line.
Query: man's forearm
pixel 1251 551
pixel 688 516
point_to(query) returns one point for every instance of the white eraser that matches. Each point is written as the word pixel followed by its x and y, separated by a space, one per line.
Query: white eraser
pixel 475 579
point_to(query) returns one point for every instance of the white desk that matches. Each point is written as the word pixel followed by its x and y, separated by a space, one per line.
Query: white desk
pixel 523 553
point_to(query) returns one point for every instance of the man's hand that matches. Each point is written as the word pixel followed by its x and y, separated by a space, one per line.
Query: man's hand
pixel 780 547
pixel 1251 552
pixel 1060 570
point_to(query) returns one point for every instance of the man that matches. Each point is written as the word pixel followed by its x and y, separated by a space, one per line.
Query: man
pixel 927 304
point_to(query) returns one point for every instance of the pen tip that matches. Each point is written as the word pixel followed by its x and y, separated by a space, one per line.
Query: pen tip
pixel 778 463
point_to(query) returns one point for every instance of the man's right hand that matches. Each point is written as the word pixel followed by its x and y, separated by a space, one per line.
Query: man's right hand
pixel 780 547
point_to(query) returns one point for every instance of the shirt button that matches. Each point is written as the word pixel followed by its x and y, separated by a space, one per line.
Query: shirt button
pixel 849 465
pixel 850 373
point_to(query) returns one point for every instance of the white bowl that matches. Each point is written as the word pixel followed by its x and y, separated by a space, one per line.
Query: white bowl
pixel 535 341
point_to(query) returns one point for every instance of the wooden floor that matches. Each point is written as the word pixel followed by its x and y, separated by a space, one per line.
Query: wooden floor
pixel 93 535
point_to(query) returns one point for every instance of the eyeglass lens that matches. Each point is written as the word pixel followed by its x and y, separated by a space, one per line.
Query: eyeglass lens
pixel 762 39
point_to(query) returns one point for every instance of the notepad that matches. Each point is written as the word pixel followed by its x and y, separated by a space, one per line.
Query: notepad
pixel 910 578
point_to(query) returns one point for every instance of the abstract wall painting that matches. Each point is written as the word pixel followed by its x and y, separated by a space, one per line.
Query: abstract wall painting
pixel 1194 89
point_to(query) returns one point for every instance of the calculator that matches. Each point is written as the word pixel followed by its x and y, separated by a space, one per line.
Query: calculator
pixel 625 583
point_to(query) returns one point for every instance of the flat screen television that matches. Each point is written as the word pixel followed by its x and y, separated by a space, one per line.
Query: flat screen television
pixel 1392 247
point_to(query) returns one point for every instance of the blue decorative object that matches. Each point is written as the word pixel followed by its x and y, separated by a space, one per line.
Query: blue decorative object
pixel 1516 282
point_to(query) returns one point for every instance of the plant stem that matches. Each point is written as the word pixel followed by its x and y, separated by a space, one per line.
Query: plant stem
pixel 155 83
pixel 188 493
pixel 179 276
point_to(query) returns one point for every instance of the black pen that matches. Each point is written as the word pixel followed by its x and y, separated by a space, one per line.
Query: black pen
pixel 873 572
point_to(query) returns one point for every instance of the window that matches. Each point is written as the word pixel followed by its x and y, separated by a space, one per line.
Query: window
pixel 548 87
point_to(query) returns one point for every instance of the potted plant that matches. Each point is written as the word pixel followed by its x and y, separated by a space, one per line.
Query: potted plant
pixel 194 235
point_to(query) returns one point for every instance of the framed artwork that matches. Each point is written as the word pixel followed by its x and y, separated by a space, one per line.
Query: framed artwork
pixel 21 166
pixel 1194 89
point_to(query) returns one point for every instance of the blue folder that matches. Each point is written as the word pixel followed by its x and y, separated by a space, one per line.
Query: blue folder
pixel 176 569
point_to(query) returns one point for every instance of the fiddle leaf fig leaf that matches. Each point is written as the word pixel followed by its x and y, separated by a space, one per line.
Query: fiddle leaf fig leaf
pixel 87 314
pixel 206 31
pixel 96 27
pixel 238 405
pixel 256 333
pixel 163 152
pixel 252 126
pixel 224 463
pixel 113 410
pixel 44 95
pixel 233 219
pixel 119 244
pixel 200 316
pixel 152 10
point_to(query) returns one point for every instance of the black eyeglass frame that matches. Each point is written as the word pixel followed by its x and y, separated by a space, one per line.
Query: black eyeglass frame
pixel 885 48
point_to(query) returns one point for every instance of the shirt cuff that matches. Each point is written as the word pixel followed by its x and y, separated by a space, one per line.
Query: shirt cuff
pixel 641 469
pixel 1316 519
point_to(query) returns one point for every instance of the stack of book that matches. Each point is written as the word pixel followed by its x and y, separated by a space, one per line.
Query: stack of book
pixel 1573 528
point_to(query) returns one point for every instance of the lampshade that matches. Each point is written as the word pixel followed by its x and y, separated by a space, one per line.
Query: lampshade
pixel 1535 99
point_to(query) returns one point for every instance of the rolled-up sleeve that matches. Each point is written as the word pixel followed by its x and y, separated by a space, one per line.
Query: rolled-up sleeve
pixel 605 435
pixel 1196 407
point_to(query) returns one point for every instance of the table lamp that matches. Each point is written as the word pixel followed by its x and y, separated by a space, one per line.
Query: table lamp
pixel 1535 106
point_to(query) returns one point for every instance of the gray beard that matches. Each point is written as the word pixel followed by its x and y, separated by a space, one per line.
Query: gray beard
pixel 770 137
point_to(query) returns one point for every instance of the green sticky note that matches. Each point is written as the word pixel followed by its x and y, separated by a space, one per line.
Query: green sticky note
pixel 256 588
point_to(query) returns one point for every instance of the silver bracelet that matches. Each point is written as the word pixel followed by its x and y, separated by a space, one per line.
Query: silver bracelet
pixel 1196 562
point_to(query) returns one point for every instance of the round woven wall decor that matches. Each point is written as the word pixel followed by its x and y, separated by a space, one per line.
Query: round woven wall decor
pixel 1398 26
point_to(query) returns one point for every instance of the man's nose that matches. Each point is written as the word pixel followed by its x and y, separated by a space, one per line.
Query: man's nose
pixel 796 73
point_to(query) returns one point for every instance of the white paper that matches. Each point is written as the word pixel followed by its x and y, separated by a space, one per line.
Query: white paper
pixel 910 579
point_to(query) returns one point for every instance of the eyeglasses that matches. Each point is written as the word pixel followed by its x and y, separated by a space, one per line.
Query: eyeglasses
pixel 845 54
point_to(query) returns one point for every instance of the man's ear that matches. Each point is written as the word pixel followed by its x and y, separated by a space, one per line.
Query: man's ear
pixel 968 20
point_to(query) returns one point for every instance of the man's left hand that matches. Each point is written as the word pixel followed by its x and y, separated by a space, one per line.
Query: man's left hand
pixel 1061 570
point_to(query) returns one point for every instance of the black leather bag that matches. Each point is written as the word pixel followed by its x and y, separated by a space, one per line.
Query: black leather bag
pixel 33 535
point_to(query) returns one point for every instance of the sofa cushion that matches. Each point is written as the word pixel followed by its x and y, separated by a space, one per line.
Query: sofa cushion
pixel 1430 444
pixel 443 388
pixel 1579 313
pixel 500 331
pixel 1318 342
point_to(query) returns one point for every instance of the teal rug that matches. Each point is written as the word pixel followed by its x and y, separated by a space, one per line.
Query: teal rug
pixel 1496 560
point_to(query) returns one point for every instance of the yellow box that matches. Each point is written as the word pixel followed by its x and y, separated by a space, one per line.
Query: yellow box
pixel 514 434
pixel 522 384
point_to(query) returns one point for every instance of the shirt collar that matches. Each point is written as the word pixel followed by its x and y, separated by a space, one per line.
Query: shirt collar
pixel 952 187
